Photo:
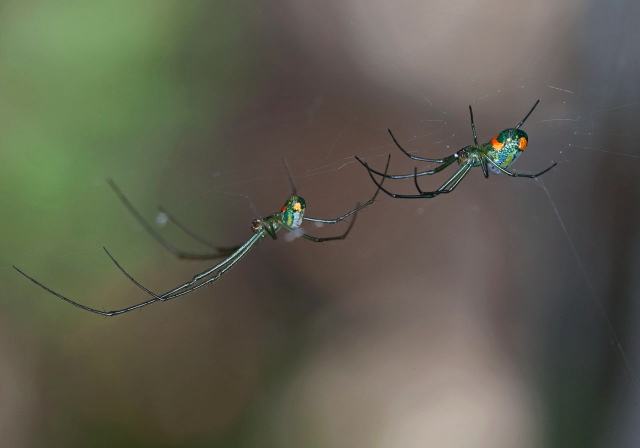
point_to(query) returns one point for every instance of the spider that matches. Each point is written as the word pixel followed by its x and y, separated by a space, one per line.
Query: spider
pixel 290 217
pixel 495 156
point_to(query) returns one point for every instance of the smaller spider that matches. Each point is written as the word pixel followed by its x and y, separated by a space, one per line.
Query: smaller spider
pixel 495 156
pixel 290 217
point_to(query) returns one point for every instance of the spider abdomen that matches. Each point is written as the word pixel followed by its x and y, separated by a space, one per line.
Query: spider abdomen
pixel 293 211
pixel 506 147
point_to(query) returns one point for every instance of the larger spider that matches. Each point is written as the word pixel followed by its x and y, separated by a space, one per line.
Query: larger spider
pixel 290 217
pixel 495 156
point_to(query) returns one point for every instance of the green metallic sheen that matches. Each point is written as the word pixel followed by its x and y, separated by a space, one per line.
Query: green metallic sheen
pixel 508 154
pixel 293 211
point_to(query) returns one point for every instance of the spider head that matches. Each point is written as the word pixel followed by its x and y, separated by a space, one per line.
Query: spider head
pixel 510 140
pixel 293 211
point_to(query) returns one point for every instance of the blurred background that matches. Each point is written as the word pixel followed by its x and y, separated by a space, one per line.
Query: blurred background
pixel 504 314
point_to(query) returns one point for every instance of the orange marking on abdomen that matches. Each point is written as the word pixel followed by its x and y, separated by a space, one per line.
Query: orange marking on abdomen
pixel 495 144
pixel 523 143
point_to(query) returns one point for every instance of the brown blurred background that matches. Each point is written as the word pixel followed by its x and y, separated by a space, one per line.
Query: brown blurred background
pixel 504 314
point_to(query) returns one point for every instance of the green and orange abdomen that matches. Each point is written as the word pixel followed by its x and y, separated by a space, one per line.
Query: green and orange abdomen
pixel 505 147
pixel 293 211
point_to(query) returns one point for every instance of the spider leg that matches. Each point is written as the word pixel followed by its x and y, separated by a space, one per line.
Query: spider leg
pixel 527 116
pixel 420 159
pixel 176 292
pixel 379 184
pixel 316 239
pixel 93 310
pixel 148 291
pixel 220 251
pixel 485 170
pixel 473 126
pixel 182 290
pixel 355 210
pixel 509 173
pixel 223 251
pixel 393 195
pixel 293 184
pixel 445 163
pixel 218 269
pixel 449 185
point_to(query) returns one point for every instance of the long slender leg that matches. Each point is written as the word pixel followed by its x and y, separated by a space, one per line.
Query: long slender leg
pixel 473 126
pixel 293 184
pixel 527 116
pixel 182 290
pixel 509 173
pixel 449 185
pixel 169 295
pixel 93 310
pixel 445 163
pixel 420 159
pixel 485 170
pixel 220 251
pixel 229 263
pixel 148 291
pixel 320 240
pixel 393 195
pixel 355 210
pixel 221 267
